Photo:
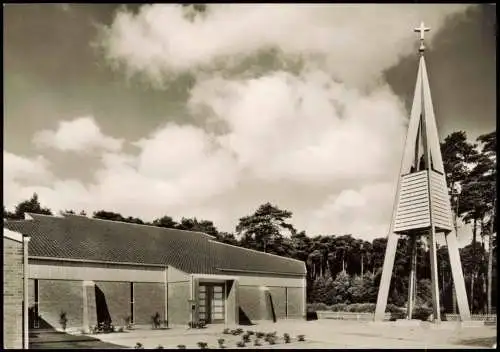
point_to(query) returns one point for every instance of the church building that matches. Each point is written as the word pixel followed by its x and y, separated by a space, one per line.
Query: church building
pixel 90 271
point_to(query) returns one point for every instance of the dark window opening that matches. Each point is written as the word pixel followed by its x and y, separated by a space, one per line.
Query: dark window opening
pixel 36 322
pixel 132 302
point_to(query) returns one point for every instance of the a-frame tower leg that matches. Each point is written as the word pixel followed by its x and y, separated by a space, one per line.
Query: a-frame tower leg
pixel 434 274
pixel 458 276
pixel 385 280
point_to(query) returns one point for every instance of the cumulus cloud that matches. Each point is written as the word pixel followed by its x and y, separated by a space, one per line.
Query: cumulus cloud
pixel 356 211
pixel 329 128
pixel 79 135
pixel 21 168
pixel 353 41
pixel 305 128
pixel 21 175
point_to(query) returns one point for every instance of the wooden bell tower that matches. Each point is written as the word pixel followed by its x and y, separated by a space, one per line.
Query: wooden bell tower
pixel 422 205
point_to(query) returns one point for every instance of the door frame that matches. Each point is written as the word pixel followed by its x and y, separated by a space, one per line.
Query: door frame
pixel 208 300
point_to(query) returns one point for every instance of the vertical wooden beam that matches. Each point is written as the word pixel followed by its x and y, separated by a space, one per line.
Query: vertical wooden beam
pixel 385 280
pixel 434 274
pixel 413 275
pixel 25 339
pixel 458 276
pixel 166 294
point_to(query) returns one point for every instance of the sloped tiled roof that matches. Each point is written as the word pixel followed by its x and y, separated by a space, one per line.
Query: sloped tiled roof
pixel 79 237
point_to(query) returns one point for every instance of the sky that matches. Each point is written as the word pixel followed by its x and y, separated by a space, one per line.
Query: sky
pixel 152 110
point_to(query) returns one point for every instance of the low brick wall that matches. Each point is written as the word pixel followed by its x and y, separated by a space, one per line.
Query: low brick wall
pixel 474 317
pixel 369 316
pixel 348 315
pixel 12 293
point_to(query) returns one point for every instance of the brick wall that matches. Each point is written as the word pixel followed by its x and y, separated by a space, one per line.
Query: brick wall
pixel 279 301
pixel 117 295
pixel 249 301
pixel 56 296
pixel 295 302
pixel 13 293
pixel 178 305
pixel 149 299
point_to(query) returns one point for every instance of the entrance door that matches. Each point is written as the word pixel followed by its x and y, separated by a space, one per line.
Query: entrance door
pixel 211 302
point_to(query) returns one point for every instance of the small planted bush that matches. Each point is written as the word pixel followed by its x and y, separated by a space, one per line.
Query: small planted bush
pixel 156 321
pixel 257 342
pixel 245 337
pixel 221 343
pixel 202 345
pixel 250 332
pixel 159 347
pixel 181 347
pixel 139 346
pixel 226 331
pixel 286 338
pixel 260 334
pixel 103 327
pixel 120 329
pixel 240 344
pixel 272 340
pixel 63 320
pixel 301 337
pixel 128 322
pixel 197 325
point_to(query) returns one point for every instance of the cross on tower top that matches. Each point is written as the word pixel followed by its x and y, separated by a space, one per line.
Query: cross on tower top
pixel 422 29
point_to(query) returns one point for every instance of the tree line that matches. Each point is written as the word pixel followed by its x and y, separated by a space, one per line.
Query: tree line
pixel 345 269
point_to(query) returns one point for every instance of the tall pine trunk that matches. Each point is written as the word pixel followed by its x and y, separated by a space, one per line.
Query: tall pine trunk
pixel 473 274
pixel 490 255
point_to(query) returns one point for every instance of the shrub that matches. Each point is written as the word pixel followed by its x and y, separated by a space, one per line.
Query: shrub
pixel 339 307
pixel 120 329
pixel 240 344
pixel 159 347
pixel 301 337
pixel 358 307
pixel 250 332
pixel 156 321
pixel 245 337
pixel 392 308
pixel 63 320
pixel 181 347
pixel 226 331
pixel 421 313
pixel 260 334
pixel 128 322
pixel 271 340
pixel 197 325
pixel 286 338
pixel 257 342
pixel 138 346
pixel 221 343
pixel 103 327
pixel 397 314
pixel 317 306
pixel 202 345
pixel 369 307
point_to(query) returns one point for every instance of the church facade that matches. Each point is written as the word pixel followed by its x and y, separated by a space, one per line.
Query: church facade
pixel 92 271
